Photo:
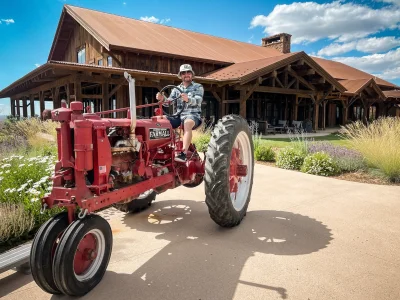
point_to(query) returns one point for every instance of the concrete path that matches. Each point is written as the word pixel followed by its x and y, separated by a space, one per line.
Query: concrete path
pixel 304 237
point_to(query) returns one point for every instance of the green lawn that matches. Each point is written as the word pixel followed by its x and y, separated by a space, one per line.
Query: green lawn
pixel 283 142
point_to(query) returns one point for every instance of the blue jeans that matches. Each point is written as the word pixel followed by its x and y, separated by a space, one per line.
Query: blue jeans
pixel 177 121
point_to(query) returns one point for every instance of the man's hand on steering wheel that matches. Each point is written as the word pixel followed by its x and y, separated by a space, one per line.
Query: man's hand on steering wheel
pixel 162 98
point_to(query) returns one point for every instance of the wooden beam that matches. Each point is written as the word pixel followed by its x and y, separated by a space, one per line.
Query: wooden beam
pixel 302 80
pixel 305 72
pixel 267 89
pixel 112 92
pixel 296 108
pixel 32 100
pixel 94 96
pixel 316 112
pixel 12 106
pixel 291 83
pixel 41 100
pixel 223 97
pixel 279 82
pixel 24 108
pixel 216 96
pixel 243 99
pixel 106 97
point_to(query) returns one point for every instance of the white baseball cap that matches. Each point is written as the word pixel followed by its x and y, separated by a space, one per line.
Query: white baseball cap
pixel 185 67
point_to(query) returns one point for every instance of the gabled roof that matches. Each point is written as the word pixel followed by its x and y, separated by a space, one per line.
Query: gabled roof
pixel 341 71
pixel 116 32
pixel 359 85
pixel 246 71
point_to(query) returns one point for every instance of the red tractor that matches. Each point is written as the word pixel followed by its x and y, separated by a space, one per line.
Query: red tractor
pixel 126 162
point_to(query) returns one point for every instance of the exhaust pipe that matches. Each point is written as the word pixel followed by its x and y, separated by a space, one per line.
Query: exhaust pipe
pixel 132 107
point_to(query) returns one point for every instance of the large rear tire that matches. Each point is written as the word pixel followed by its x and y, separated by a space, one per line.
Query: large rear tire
pixel 228 183
pixel 43 249
pixel 139 204
pixel 82 256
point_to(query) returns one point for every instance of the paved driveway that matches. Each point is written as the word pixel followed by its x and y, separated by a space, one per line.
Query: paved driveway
pixel 304 237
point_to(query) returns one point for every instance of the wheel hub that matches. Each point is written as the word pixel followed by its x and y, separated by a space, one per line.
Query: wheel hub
pixel 85 254
pixel 237 170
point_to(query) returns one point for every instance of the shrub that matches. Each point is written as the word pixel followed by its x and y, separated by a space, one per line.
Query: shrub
pixel 14 222
pixel 301 142
pixel 290 158
pixel 379 143
pixel 201 137
pixel 264 153
pixel 319 163
pixel 20 135
pixel 347 160
pixel 23 181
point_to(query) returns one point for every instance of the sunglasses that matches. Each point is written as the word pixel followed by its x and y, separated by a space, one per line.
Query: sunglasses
pixel 185 72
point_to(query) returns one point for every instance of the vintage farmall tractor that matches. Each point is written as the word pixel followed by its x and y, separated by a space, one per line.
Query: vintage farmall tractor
pixel 125 162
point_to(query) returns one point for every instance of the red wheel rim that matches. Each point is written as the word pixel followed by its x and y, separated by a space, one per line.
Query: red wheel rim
pixel 85 254
pixel 233 178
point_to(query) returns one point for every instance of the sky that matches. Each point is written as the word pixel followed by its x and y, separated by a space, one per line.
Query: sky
pixel 364 34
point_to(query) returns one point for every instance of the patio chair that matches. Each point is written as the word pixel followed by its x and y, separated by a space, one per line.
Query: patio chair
pixel 298 126
pixel 282 126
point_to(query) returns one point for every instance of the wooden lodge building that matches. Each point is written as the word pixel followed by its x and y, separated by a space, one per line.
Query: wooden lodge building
pixel 91 50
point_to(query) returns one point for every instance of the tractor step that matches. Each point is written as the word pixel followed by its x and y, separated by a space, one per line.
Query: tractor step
pixel 16 258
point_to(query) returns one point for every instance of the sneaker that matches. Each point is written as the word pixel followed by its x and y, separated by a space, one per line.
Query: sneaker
pixel 181 157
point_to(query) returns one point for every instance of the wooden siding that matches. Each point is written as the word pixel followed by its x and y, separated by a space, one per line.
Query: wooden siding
pixel 161 64
pixel 79 38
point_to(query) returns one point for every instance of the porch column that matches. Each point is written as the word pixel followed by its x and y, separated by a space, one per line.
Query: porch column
pixel 24 107
pixel 12 105
pixel 32 103
pixel 18 107
pixel 316 112
pixel 41 100
pixel 223 98
pixel 243 104
pixel 324 115
pixel 296 108
pixel 106 100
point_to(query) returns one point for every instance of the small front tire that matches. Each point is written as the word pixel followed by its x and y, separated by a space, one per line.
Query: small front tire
pixel 82 256
pixel 43 249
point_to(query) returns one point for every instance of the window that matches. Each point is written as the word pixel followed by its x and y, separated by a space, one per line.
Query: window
pixel 82 56
pixel 100 62
pixel 109 61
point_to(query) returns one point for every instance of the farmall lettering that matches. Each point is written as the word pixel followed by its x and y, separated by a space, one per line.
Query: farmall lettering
pixel 159 133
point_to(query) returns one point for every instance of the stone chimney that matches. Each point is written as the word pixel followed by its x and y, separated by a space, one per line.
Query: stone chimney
pixel 280 42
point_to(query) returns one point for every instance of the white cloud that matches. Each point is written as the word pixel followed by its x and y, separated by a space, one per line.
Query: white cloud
pixel 395 2
pixel 151 19
pixel 37 65
pixel 164 21
pixel 7 21
pixel 369 45
pixel 311 21
pixel 385 65
pixel 335 48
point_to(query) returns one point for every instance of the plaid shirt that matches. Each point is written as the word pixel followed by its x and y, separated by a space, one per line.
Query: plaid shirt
pixel 195 92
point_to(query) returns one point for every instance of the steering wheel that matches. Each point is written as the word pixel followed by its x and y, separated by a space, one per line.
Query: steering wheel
pixel 178 111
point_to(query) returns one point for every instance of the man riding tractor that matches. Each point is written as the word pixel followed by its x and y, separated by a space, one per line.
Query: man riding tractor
pixel 191 97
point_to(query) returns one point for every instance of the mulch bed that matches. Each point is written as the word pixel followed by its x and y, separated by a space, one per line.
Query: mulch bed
pixel 362 177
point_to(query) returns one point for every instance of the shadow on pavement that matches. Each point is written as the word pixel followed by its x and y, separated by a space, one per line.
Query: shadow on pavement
pixel 203 260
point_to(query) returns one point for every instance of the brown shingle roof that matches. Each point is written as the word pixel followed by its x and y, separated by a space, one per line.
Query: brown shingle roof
pixel 342 71
pixel 240 70
pixel 392 94
pixel 354 86
pixel 120 32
